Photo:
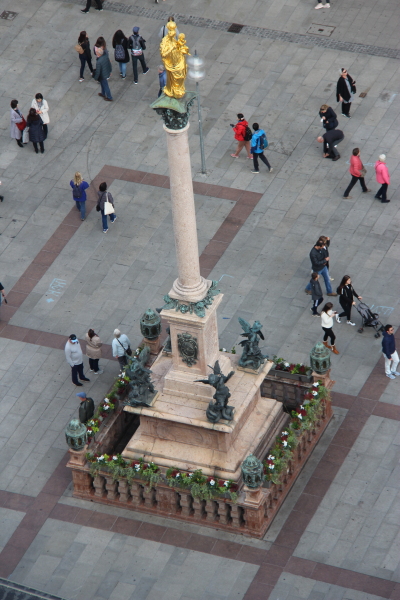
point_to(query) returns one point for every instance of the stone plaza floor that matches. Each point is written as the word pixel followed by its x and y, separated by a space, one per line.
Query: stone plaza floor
pixel 337 535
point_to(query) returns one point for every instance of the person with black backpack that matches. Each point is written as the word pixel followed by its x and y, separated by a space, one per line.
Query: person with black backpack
pixel 258 144
pixel 136 45
pixel 243 135
pixel 121 55
pixel 79 194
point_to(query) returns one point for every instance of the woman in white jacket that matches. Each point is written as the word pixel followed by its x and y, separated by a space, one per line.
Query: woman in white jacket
pixel 327 323
pixel 42 108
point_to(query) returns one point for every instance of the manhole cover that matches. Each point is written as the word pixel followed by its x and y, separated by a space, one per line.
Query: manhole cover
pixel 325 30
pixel 235 28
pixel 8 15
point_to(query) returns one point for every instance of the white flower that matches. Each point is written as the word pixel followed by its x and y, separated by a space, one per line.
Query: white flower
pixel 106 400
pixel 316 384
pixel 284 443
pixel 301 407
pixel 226 483
pixel 177 475
pixel 271 467
pixel 223 349
pixel 287 364
pixel 89 431
pixel 212 482
pixel 270 457
pixel 100 458
pixel 314 393
pixel 285 433
pixel 106 407
pixel 137 467
pixel 190 474
pixel 300 416
pixel 115 457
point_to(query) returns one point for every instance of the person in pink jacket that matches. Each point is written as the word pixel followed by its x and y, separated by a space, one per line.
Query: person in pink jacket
pixel 357 173
pixel 382 177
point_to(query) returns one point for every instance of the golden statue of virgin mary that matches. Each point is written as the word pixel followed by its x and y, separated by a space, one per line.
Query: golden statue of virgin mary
pixel 173 52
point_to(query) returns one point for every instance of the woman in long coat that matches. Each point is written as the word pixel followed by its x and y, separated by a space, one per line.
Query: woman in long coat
pixel 16 117
pixel 93 351
pixel 36 133
pixel 346 87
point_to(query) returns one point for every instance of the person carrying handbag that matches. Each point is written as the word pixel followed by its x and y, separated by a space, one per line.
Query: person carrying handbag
pixel 18 123
pixel 105 205
pixel 357 172
pixel 121 348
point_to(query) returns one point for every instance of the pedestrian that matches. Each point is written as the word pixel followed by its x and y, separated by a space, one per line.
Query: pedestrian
pixel 331 139
pixel 1 197
pixel 100 44
pixel 2 294
pixel 316 294
pixel 84 54
pixel 121 54
pixel 346 298
pixel 103 198
pixel 74 356
pixel 345 88
pixel 79 187
pixel 243 135
pixel 327 323
pixel 42 108
pixel 17 119
pixel 86 407
pixel 320 5
pixel 389 352
pixel 89 4
pixel 136 45
pixel 164 31
pixel 357 172
pixel 382 177
pixel 36 133
pixel 93 351
pixel 162 78
pixel 121 348
pixel 326 241
pixel 328 117
pixel 258 144
pixel 103 72
pixel 319 264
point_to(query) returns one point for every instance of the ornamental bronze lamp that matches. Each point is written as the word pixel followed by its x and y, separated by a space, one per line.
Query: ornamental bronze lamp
pixel 253 472
pixel 76 434
pixel 320 359
pixel 150 324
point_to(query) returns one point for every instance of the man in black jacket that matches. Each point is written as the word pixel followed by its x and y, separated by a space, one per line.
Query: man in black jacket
pixel 319 262
pixel 331 139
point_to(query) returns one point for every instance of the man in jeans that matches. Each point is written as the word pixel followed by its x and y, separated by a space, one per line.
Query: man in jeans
pixel 319 262
pixel 103 72
pixel 389 353
pixel 120 345
pixel 331 139
pixel 136 45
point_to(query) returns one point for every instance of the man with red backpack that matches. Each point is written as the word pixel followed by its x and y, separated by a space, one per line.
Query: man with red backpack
pixel 242 135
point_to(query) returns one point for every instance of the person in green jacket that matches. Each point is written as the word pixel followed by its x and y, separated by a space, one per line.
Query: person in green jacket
pixel 103 72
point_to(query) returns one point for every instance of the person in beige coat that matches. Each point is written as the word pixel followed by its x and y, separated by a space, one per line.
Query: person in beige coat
pixel 93 351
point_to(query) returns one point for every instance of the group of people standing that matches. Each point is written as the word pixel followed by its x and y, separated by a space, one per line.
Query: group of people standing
pixel 35 127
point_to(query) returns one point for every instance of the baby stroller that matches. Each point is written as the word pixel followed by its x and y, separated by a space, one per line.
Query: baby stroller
pixel 369 319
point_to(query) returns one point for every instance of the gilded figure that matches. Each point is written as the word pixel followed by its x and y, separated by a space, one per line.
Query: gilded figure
pixel 173 56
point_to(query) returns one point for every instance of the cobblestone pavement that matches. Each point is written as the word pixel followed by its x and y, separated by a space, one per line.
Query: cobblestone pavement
pixel 336 536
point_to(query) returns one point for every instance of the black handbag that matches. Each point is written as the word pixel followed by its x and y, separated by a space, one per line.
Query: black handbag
pixel 128 351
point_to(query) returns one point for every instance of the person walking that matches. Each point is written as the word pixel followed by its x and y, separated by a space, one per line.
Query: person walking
pixel 320 5
pixel 345 88
pixel 346 298
pixel 316 294
pixel 93 351
pixel 103 197
pixel 2 294
pixel 74 356
pixel 328 117
pixel 79 187
pixel 319 264
pixel 357 172
pixel 1 197
pixel 327 323
pixel 258 144
pixel 121 54
pixel 164 31
pixel 389 352
pixel 42 108
pixel 121 348
pixel 103 72
pixel 136 45
pixel 36 133
pixel 382 177
pixel 89 4
pixel 16 119
pixel 162 78
pixel 84 54
pixel 243 135
pixel 326 242
pixel 331 139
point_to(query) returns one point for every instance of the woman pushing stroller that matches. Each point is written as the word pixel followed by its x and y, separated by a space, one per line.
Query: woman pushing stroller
pixel 346 294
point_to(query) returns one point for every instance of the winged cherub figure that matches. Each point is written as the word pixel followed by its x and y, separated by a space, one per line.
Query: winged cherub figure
pixel 219 410
pixel 252 356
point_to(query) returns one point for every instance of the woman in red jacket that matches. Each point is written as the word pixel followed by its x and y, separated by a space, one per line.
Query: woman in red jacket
pixel 357 172
pixel 242 135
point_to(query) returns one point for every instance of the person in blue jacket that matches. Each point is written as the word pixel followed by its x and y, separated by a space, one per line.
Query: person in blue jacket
pixel 258 144
pixel 389 352
pixel 79 187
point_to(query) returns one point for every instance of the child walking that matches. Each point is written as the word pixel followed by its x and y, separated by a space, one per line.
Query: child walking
pixel 327 323
pixel 316 294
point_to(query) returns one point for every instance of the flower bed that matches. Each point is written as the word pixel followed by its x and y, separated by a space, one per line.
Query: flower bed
pixel 296 371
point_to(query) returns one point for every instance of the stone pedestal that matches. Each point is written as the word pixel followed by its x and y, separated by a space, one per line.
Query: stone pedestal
pixel 154 345
pixel 325 378
pixel 82 480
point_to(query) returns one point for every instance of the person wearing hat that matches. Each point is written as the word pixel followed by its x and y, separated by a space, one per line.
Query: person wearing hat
pixel 74 356
pixel 86 408
pixel 121 347
pixel 382 177
pixel 136 45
